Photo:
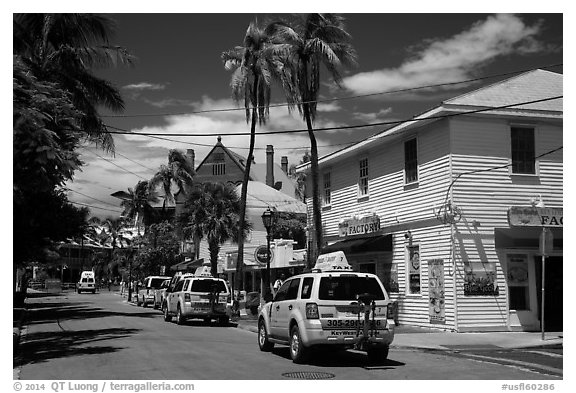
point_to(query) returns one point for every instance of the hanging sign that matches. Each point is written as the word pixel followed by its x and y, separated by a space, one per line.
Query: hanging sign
pixel 520 216
pixel 261 254
pixel 359 226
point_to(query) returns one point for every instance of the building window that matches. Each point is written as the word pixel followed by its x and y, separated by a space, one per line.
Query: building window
pixel 363 180
pixel 410 161
pixel 523 150
pixel 327 190
pixel 219 168
pixel 413 261
pixel 517 277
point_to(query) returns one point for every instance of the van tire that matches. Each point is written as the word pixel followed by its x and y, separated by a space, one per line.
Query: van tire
pixel 263 342
pixel 298 352
pixel 179 317
pixel 223 321
pixel 167 316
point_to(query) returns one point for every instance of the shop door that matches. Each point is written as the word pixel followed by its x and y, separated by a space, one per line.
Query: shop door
pixel 553 294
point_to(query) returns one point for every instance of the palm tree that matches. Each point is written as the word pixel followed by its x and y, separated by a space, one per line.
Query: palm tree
pixel 256 64
pixel 315 39
pixel 179 172
pixel 212 211
pixel 139 207
pixel 63 49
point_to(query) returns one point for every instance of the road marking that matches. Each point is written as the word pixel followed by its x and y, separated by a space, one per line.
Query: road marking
pixel 552 355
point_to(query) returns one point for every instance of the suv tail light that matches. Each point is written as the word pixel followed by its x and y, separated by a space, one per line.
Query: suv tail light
pixel 187 297
pixel 312 311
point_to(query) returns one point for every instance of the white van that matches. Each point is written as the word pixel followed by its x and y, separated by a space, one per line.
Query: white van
pixel 87 282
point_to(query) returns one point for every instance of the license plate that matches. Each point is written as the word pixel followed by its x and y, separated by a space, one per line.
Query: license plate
pixel 329 324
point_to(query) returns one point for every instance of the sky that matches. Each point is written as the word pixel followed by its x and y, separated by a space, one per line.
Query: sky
pixel 178 72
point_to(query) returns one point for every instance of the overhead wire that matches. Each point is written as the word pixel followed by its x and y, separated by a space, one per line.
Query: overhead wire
pixel 405 90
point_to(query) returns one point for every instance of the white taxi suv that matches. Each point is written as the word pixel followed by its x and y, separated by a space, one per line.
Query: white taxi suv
pixel 146 295
pixel 332 306
pixel 200 296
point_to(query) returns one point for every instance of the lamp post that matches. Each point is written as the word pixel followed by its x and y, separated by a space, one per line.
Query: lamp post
pixel 269 220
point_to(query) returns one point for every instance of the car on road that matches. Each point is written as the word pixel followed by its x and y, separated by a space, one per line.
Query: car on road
pixel 160 294
pixel 332 306
pixel 146 294
pixel 200 296
pixel 87 282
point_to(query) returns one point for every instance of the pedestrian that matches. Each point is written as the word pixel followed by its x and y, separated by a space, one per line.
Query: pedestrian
pixel 278 283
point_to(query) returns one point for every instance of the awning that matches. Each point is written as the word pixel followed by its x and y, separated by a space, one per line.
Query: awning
pixel 525 237
pixel 359 245
pixel 187 265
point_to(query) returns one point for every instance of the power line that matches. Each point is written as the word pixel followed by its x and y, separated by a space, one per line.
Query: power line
pixel 88 196
pixel 95 207
pixel 116 165
pixel 406 90
pixel 122 131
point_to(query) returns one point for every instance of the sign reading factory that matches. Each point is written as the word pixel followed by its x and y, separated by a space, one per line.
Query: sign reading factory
pixel 535 216
pixel 359 225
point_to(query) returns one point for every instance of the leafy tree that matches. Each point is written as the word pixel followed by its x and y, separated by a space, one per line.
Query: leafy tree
pixel 179 172
pixel 212 210
pixel 315 39
pixel 63 49
pixel 160 247
pixel 256 64
pixel 138 207
pixel 291 226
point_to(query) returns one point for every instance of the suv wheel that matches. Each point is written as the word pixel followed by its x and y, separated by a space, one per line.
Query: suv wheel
pixel 179 317
pixel 138 301
pixel 378 355
pixel 167 316
pixel 298 352
pixel 223 321
pixel 263 343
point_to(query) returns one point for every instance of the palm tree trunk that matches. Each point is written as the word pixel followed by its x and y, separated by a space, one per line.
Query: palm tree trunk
pixel 316 212
pixel 213 249
pixel 244 194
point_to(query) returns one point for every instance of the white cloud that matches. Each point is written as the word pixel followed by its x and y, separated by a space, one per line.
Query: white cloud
pixel 454 58
pixel 144 86
pixel 372 117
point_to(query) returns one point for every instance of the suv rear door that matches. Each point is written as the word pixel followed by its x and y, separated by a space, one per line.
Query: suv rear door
pixel 338 302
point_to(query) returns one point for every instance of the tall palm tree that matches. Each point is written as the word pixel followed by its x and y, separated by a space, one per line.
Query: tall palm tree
pixel 139 207
pixel 115 234
pixel 64 48
pixel 179 172
pixel 315 39
pixel 212 211
pixel 256 64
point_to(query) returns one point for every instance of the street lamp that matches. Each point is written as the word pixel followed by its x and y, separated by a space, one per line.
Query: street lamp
pixel 269 220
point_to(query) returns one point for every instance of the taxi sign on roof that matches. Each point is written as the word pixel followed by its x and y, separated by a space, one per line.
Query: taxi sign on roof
pixel 333 261
pixel 203 271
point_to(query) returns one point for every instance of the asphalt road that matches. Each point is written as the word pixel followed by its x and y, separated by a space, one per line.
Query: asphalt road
pixel 102 337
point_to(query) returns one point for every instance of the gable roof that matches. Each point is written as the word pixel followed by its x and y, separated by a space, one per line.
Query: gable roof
pixel 236 158
pixel 530 86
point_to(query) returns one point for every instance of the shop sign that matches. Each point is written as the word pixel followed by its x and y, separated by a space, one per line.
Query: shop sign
pixel 436 305
pixel 261 254
pixel 535 216
pixel 359 225
pixel 480 279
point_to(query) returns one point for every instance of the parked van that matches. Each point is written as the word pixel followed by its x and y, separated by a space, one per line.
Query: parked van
pixel 87 282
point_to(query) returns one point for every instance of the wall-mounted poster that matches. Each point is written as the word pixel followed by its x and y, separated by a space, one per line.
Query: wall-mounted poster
pixel 436 291
pixel 480 279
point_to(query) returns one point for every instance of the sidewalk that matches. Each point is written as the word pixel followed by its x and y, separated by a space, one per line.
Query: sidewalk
pixel 422 338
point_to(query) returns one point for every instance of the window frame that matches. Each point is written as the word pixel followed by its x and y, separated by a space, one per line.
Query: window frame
pixel 327 190
pixel 363 178
pixel 534 142
pixel 411 162
pixel 218 168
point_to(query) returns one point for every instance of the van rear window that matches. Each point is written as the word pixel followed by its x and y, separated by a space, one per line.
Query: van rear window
pixel 208 285
pixel 349 287
pixel 156 283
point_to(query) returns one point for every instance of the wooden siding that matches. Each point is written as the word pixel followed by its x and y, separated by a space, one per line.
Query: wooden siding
pixel 485 197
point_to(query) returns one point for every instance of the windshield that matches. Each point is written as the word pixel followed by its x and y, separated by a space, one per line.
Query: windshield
pixel 156 283
pixel 207 285
pixel 349 287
